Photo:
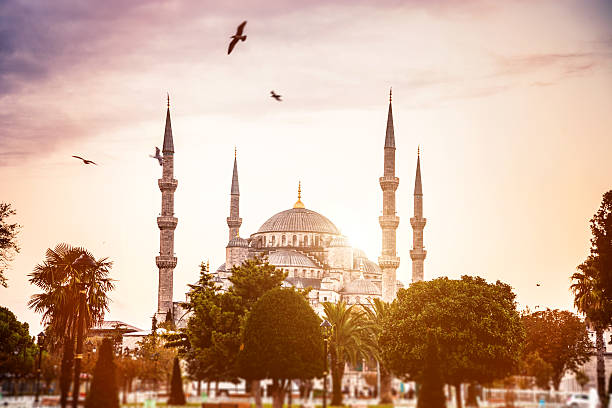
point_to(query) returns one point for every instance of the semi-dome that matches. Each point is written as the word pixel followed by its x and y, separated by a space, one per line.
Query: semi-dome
pixel 299 220
pixel 369 267
pixel 361 286
pixel 238 242
pixel 291 258
pixel 339 241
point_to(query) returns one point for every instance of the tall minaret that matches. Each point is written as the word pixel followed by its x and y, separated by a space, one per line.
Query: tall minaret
pixel 166 261
pixel 389 261
pixel 234 221
pixel 417 253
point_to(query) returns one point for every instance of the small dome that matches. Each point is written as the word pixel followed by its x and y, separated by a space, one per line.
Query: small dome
pixel 238 242
pixel 221 268
pixel 361 286
pixel 299 220
pixel 339 241
pixel 291 258
pixel 369 267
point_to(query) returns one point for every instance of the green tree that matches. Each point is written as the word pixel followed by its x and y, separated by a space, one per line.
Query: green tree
pixel 476 325
pixel 601 242
pixel 376 315
pixel 282 341
pixel 8 240
pixel 155 360
pixel 104 392
pixel 431 394
pixel 350 341
pixel 560 338
pixel 177 395
pixel 591 299
pixel 541 371
pixel 582 378
pixel 17 348
pixel 59 279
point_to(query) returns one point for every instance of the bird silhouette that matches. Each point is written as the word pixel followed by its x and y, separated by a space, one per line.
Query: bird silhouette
pixel 85 161
pixel 237 37
pixel 275 96
pixel 537 284
pixel 157 155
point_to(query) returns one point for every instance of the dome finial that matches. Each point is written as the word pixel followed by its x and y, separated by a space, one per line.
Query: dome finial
pixel 419 151
pixel 235 152
pixel 168 95
pixel 299 203
pixel 390 93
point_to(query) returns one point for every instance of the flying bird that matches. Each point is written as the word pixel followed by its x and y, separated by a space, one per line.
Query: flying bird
pixel 237 37
pixel 276 96
pixel 85 161
pixel 537 284
pixel 157 156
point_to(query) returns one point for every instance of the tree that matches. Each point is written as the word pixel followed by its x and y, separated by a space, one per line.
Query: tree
pixel 476 325
pixel 431 394
pixel 591 299
pixel 281 341
pixel 177 395
pixel 60 279
pixel 541 371
pixel 560 338
pixel 601 242
pixel 376 315
pixel 155 359
pixel 350 341
pixel 104 392
pixel 582 378
pixel 8 240
pixel 17 348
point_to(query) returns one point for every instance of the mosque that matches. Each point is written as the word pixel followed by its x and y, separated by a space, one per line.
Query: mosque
pixel 300 241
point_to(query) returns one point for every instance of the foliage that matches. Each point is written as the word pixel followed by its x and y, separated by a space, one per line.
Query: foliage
pixel 582 378
pixel 601 242
pixel 104 392
pixel 155 359
pixel 534 366
pixel 282 341
pixel 376 315
pixel 476 325
pixel 560 338
pixel 431 394
pixel 60 280
pixel 351 341
pixel 8 240
pixel 253 278
pixel 177 396
pixel 17 349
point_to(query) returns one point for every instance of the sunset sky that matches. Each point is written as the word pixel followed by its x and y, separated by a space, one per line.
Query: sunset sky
pixel 511 103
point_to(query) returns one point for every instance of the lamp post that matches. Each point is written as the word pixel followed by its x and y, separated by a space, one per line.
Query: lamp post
pixel 41 343
pixel 326 328
pixel 85 262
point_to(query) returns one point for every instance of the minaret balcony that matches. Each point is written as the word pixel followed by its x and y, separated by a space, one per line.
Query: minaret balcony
pixel 166 222
pixel 166 262
pixel 388 221
pixel 167 185
pixel 388 183
pixel 234 222
pixel 388 262
pixel 418 223
pixel 418 254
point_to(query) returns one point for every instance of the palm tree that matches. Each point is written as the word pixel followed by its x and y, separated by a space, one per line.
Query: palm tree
pixel 376 314
pixel 59 278
pixel 590 299
pixel 350 342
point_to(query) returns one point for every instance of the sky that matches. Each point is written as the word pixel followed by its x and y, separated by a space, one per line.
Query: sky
pixel 510 102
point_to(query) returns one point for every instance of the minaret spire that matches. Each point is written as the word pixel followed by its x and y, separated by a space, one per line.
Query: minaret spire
pixel 389 261
pixel 166 261
pixel 418 253
pixel 299 203
pixel 234 221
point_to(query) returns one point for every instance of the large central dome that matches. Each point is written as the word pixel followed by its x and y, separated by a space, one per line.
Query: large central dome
pixel 299 220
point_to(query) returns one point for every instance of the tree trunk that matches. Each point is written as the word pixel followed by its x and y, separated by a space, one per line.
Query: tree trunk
pixel 601 369
pixel 65 370
pixel 385 386
pixel 471 400
pixel 199 389
pixel 256 393
pixel 337 372
pixel 278 393
pixel 458 395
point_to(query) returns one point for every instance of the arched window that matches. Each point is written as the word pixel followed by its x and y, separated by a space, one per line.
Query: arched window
pixel 295 273
pixel 264 240
pixel 305 240
pixel 295 240
pixel 273 240
pixel 357 300
pixel 304 273
pixel 284 240
pixel 316 240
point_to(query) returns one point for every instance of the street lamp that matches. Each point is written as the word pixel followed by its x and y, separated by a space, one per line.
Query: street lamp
pixel 85 262
pixel 326 329
pixel 41 343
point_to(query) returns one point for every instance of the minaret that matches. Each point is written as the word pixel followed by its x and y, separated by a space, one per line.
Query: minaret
pixel 389 261
pixel 166 261
pixel 417 253
pixel 234 221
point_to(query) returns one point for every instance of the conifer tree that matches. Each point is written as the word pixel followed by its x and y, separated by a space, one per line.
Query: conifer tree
pixel 177 396
pixel 104 392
